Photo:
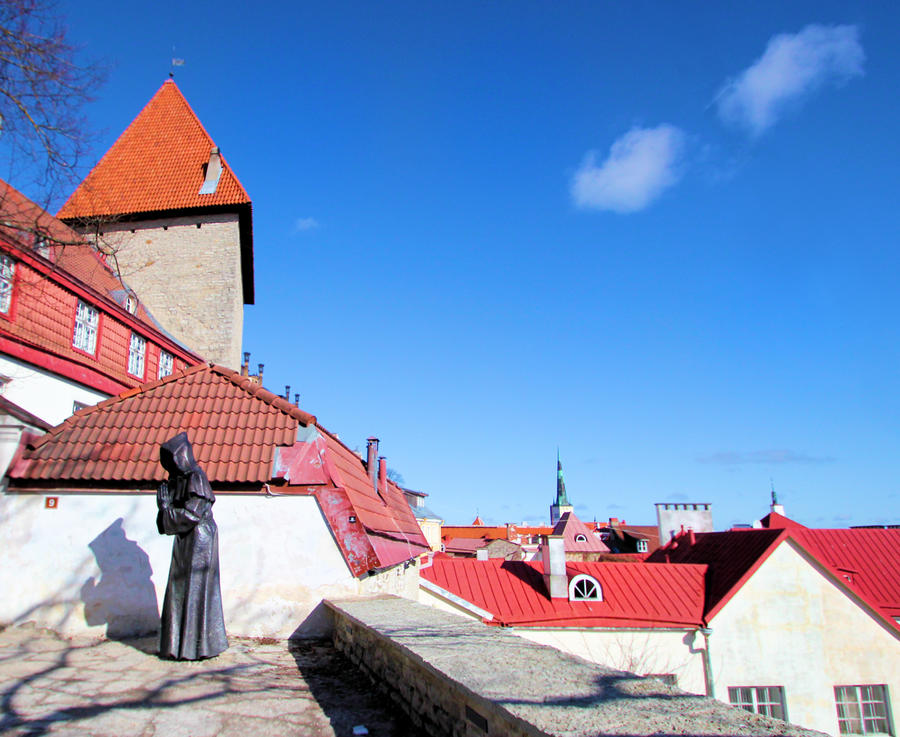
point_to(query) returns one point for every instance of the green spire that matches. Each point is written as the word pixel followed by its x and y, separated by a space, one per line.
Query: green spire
pixel 561 498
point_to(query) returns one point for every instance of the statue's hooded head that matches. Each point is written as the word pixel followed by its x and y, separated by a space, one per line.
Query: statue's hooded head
pixel 176 455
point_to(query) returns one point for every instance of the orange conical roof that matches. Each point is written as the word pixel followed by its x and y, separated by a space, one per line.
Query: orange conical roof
pixel 157 164
pixel 478 521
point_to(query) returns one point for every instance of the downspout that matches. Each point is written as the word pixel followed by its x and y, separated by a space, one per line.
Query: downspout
pixel 707 663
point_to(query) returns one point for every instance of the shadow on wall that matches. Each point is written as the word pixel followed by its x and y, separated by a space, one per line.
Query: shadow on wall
pixel 124 599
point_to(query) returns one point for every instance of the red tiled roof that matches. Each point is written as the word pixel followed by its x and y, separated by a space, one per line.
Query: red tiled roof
pixel 242 435
pixel 493 532
pixel 233 424
pixel 633 595
pixel 465 545
pixel 156 164
pixel 571 528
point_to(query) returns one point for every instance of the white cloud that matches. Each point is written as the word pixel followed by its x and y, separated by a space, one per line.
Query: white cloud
pixel 640 166
pixel 792 67
pixel 305 224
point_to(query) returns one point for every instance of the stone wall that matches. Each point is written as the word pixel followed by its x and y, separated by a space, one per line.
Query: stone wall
pixel 455 677
pixel 187 270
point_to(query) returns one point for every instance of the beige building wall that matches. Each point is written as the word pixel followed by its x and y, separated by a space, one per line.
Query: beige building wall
pixel 187 270
pixel 95 563
pixel 791 625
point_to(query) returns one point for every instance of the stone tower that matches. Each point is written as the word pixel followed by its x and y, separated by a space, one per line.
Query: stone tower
pixel 561 505
pixel 175 223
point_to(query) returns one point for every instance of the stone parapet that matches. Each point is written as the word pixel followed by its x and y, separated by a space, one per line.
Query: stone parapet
pixel 455 677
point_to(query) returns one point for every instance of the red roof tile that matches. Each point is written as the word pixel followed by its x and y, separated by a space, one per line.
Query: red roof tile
pixel 577 535
pixel 241 434
pixel 156 164
pixel 633 594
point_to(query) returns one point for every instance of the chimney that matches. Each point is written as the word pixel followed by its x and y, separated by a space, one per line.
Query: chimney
pixel 296 399
pixel 287 392
pixel 692 538
pixel 481 554
pixel 213 172
pixel 371 455
pixel 260 374
pixel 613 521
pixel 382 476
pixel 553 561
pixel 245 366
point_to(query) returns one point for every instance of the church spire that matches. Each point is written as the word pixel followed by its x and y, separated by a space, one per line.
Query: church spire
pixel 561 505
pixel 561 498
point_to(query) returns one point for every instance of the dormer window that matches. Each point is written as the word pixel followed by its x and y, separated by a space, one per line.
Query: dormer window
pixel 642 546
pixel 131 304
pixel 579 538
pixel 585 588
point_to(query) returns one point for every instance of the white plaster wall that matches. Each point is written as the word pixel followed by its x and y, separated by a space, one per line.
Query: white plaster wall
pixel 96 564
pixel 639 651
pixel 791 626
pixel 45 395
pixel 678 652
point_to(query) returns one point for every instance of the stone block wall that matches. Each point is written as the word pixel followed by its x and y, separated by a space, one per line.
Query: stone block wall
pixel 437 705
pixel 187 270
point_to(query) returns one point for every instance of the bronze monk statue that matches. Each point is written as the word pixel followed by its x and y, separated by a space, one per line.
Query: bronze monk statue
pixel 192 626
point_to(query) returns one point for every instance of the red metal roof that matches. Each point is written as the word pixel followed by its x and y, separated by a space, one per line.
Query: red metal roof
pixel 572 528
pixel 867 564
pixel 245 438
pixel 156 164
pixel 634 594
pixel 869 559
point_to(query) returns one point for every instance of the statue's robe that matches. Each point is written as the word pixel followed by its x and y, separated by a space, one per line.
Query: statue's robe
pixel 192 625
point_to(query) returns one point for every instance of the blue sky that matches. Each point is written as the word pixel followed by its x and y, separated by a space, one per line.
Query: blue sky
pixel 660 236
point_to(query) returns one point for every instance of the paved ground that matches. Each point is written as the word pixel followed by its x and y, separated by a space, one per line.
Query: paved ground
pixel 52 685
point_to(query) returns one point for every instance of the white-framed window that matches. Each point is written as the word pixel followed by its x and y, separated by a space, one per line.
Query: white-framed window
pixel 166 364
pixel 579 538
pixel 862 709
pixel 585 588
pixel 642 546
pixel 768 700
pixel 131 303
pixel 137 351
pixel 7 272
pixel 87 319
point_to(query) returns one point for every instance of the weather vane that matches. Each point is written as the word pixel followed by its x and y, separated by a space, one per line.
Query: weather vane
pixel 176 62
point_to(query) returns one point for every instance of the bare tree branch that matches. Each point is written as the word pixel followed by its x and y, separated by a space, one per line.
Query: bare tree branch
pixel 42 92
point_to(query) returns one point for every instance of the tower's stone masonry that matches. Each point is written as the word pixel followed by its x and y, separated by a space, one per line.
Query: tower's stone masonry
pixel 187 271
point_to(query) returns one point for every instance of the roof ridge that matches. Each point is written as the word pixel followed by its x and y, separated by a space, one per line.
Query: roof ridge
pixel 263 394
